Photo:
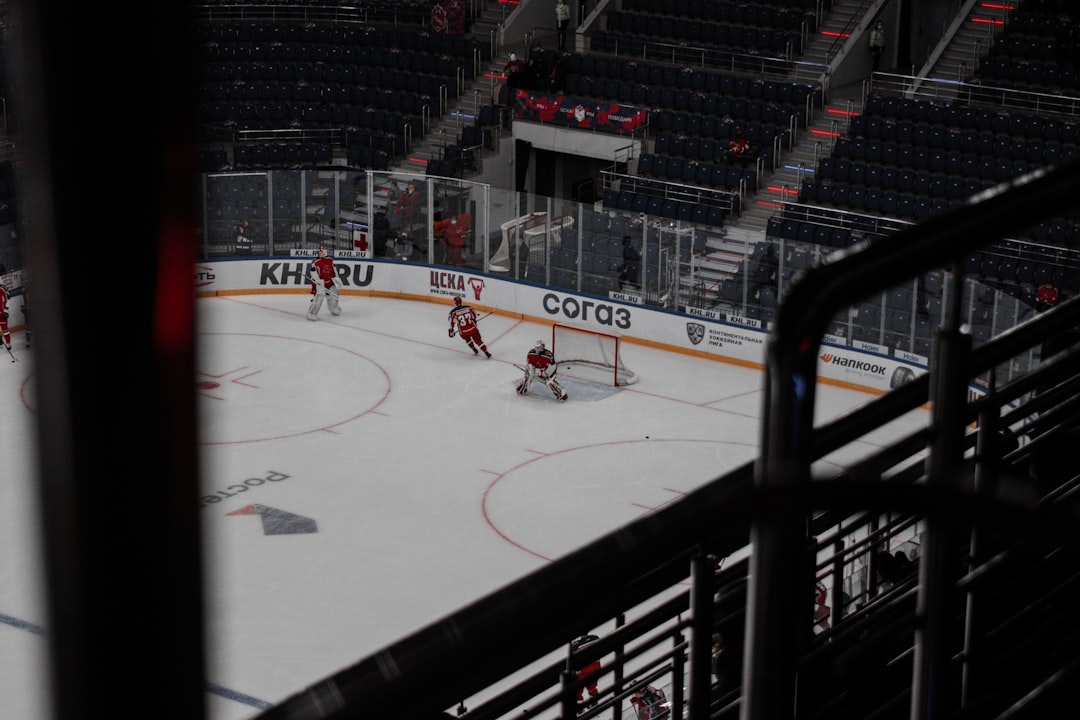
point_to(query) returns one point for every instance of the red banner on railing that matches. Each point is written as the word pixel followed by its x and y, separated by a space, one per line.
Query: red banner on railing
pixel 580 114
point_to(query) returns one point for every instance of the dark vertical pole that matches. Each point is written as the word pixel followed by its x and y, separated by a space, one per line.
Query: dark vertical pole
pixel 778 601
pixel 938 559
pixel 109 182
pixel 702 605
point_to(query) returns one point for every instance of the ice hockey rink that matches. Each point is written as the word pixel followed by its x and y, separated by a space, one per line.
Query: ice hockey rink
pixel 364 475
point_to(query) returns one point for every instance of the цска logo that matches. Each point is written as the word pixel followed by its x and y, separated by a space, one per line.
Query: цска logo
pixel 695 331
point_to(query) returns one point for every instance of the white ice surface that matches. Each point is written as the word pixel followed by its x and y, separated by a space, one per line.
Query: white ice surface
pixel 430 482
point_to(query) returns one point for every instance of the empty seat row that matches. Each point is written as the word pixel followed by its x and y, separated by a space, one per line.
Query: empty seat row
pixel 693 172
pixel 297 105
pixel 266 58
pixel 340 35
pixel 861 199
pixel 963 117
pixel 834 236
pixel 989 265
pixel 1012 72
pixel 741 58
pixel 668 23
pixel 401 99
pixel 225 86
pixel 282 155
pixel 919 182
pixel 591 262
pixel 926 134
pixel 640 202
pixel 596 222
pixel 763 37
pixel 688 78
pixel 1033 154
pixel 294 116
pixel 668 126
pixel 362 154
pixel 723 10
pixel 311 72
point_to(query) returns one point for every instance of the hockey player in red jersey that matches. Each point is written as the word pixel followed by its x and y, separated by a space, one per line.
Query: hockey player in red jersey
pixel 26 313
pixel 463 322
pixel 588 672
pixel 540 365
pixel 324 285
pixel 5 334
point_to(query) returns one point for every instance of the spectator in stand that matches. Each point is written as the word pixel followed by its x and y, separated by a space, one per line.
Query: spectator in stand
pixel 455 238
pixel 726 668
pixel 514 72
pixel 737 147
pixel 557 76
pixel 519 257
pixel 631 266
pixel 877 44
pixel 243 240
pixel 393 194
pixel 407 207
pixel 562 22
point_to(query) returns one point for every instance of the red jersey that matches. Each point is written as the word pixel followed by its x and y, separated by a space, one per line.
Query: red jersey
pixel 4 316
pixel 323 268
pixel 541 359
pixel 463 320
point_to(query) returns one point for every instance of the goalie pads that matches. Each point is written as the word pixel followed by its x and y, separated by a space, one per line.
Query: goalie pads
pixel 523 386
pixel 555 388
pixel 337 281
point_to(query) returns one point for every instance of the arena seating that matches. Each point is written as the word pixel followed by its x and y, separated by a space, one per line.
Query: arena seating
pixel 357 86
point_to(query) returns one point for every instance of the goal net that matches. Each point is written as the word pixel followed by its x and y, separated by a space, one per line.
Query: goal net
pixel 590 355
pixel 531 228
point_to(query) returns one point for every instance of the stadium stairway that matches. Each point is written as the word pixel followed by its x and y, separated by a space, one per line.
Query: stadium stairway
pixel 466 108
pixel 813 143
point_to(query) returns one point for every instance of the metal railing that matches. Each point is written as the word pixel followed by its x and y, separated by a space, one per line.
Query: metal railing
pixel 812 604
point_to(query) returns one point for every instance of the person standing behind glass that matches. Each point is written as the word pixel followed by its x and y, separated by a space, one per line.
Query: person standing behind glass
pixel 631 267
pixel 562 22
pixel 877 43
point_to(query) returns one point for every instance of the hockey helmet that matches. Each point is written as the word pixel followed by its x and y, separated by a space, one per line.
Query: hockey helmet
pixel 539 345
pixel 322 251
pixel 457 300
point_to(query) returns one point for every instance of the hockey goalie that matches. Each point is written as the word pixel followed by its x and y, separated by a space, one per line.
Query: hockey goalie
pixel 324 285
pixel 540 365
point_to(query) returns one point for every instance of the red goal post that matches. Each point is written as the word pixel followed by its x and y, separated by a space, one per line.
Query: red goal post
pixel 590 355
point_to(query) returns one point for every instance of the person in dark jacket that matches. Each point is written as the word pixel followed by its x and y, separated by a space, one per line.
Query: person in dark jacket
pixel 631 267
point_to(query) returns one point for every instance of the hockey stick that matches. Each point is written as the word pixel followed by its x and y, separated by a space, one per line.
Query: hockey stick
pixel 484 316
pixel 525 369
pixel 8 348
